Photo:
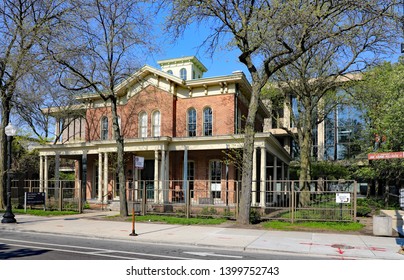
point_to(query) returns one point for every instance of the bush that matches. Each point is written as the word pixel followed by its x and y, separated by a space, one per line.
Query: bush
pixel 255 216
pixel 208 211
pixel 363 211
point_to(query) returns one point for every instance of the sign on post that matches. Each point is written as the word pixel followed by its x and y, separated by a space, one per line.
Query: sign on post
pixel 342 197
pixel 34 198
pixel 139 162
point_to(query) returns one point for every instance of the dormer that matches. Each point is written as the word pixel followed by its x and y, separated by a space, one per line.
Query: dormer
pixel 186 68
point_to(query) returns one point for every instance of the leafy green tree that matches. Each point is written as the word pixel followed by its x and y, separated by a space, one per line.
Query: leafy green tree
pixel 270 35
pixel 381 96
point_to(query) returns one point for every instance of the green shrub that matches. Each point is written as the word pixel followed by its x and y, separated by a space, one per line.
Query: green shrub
pixel 255 216
pixel 208 211
pixel 363 211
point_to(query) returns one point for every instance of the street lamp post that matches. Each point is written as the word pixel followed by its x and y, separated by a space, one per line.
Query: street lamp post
pixel 8 216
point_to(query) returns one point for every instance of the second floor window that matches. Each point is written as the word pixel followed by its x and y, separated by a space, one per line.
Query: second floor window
pixel 191 118
pixel 104 128
pixel 207 122
pixel 183 73
pixel 156 123
pixel 143 124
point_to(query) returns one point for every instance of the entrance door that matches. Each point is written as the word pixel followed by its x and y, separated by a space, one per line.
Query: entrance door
pixel 147 177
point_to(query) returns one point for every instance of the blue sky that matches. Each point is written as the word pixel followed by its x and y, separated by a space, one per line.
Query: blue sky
pixel 223 62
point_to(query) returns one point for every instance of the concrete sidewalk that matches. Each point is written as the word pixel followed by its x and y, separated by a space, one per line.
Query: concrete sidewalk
pixel 341 246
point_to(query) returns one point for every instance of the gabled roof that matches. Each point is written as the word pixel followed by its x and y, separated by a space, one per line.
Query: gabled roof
pixel 121 89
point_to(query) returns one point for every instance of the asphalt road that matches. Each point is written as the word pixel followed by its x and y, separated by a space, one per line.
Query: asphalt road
pixel 39 246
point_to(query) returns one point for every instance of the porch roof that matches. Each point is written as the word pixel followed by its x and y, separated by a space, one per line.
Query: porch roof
pixel 223 142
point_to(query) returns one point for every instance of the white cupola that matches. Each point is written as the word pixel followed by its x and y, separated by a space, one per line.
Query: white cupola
pixel 186 68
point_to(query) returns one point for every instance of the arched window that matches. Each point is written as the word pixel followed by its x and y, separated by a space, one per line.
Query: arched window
pixel 183 73
pixel 207 121
pixel 170 72
pixel 104 128
pixel 156 123
pixel 191 122
pixel 143 124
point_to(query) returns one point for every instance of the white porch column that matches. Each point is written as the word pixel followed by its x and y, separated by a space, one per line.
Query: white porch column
pixel 100 193
pixel 136 179
pixel 166 183
pixel 41 173
pixel 57 129
pixel 283 176
pixel 156 176
pixel 46 175
pixel 254 179
pixel 263 178
pixel 105 179
pixel 162 177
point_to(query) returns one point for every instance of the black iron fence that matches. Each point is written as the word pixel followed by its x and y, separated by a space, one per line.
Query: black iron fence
pixel 270 200
pixel 59 195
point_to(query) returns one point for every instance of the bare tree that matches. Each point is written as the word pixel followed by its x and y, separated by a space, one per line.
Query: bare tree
pixel 271 34
pixel 39 100
pixel 98 50
pixel 23 25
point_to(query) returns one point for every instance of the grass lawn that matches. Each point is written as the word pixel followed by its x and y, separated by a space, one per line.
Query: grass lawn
pixel 324 226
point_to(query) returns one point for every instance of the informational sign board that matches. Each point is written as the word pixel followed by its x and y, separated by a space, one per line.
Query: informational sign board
pixel 34 198
pixel 216 187
pixel 138 162
pixel 402 198
pixel 389 155
pixel 342 197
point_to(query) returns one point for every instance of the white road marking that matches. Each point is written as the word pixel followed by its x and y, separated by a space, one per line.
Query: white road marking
pixel 206 254
pixel 90 250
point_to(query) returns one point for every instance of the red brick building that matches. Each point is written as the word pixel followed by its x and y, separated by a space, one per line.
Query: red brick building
pixel 172 118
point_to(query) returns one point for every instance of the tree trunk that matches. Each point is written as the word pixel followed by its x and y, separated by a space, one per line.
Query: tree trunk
pixel 248 150
pixel 305 163
pixel 123 204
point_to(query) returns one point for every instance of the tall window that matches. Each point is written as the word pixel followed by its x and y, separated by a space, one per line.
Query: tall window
pixel 207 122
pixel 183 73
pixel 191 122
pixel 143 124
pixel 215 170
pixel 104 128
pixel 156 123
